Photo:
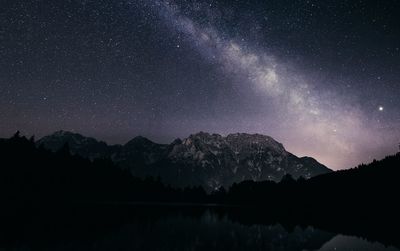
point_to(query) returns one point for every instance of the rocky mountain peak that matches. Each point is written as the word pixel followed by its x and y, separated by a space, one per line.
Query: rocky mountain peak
pixel 205 159
pixel 202 138
pixel 241 141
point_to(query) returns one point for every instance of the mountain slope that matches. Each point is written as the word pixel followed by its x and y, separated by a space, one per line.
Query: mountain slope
pixel 209 160
pixel 84 146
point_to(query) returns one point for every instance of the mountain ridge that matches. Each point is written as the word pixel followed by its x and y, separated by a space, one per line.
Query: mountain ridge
pixel 206 159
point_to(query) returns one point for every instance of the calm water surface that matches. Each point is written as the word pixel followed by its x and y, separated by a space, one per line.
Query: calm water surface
pixel 171 229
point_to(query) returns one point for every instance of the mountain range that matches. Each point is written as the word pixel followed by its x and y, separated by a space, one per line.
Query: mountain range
pixel 202 159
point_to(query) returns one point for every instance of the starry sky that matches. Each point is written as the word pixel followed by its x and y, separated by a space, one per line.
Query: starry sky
pixel 322 77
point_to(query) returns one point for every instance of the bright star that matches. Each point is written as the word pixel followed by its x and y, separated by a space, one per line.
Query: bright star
pixel 380 108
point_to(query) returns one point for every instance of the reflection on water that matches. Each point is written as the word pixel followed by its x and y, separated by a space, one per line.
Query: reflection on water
pixel 348 243
pixel 210 232
pixel 170 229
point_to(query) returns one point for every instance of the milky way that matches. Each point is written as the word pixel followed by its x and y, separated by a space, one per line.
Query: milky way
pixel 311 125
pixel 321 77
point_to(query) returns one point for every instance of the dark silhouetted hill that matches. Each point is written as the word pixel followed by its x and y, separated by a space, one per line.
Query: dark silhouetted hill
pixel 31 174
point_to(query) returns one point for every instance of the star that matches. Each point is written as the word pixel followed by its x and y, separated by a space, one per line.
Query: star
pixel 182 67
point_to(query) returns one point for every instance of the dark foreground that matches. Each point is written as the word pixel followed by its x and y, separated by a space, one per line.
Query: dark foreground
pixel 40 191
pixel 178 227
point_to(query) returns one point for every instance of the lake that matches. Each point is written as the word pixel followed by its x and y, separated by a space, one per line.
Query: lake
pixel 138 227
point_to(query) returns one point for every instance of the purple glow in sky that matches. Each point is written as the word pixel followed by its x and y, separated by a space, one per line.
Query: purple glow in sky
pixel 321 77
pixel 311 122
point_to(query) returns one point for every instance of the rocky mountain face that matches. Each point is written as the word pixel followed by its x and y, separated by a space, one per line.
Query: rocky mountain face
pixel 209 160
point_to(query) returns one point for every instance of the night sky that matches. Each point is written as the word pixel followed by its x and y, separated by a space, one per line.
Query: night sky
pixel 322 77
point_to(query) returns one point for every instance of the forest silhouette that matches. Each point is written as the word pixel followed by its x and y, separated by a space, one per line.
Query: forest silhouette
pixel 359 200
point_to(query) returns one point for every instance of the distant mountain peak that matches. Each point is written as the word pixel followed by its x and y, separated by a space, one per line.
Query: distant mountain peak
pixel 139 140
pixel 78 144
pixel 203 158
pixel 61 133
pixel 263 141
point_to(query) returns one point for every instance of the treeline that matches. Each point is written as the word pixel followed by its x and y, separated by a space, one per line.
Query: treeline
pixel 360 200
pixel 34 174
pixel 30 174
pixel 366 188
